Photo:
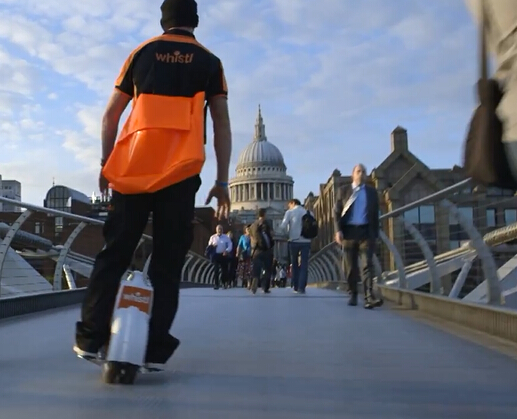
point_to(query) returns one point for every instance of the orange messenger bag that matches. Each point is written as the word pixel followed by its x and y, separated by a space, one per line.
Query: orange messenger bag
pixel 161 143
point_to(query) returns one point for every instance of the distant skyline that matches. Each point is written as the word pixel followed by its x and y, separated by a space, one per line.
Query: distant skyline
pixel 332 82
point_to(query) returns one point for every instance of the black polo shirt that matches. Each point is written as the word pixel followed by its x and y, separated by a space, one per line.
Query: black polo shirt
pixel 172 64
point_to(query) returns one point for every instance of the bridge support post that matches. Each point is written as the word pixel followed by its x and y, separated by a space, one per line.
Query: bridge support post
pixel 341 262
pixel 313 272
pixel 326 265
pixel 460 280
pixel 494 295
pixel 192 269
pixel 338 269
pixel 6 242
pixel 69 276
pixel 204 272
pixel 399 263
pixel 436 286
pixel 310 275
pixel 319 269
pixel 58 272
pixel 185 267
pixel 210 272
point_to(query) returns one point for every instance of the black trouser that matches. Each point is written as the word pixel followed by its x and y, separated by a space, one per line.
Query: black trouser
pixel 173 212
pixel 232 270
pixel 358 244
pixel 263 268
pixel 220 269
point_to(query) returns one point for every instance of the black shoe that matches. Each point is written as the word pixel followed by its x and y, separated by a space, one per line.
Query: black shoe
pixel 353 300
pixel 88 341
pixel 158 353
pixel 370 303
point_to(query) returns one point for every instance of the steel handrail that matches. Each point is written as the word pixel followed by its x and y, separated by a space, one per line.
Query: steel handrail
pixel 59 213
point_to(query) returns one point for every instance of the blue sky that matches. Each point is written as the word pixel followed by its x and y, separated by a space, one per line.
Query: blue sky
pixel 333 77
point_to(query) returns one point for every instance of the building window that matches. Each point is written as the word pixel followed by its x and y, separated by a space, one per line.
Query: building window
pixel 58 224
pixel 423 219
pixel 494 191
pixel 466 213
pixel 491 217
pixel 427 214
pixel 510 216
pixel 456 234
pixel 38 227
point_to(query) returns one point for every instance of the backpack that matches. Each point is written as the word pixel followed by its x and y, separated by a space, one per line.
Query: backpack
pixel 309 226
pixel 263 230
pixel 485 159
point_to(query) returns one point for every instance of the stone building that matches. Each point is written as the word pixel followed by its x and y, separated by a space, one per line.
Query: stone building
pixel 10 189
pixel 403 178
pixel 261 181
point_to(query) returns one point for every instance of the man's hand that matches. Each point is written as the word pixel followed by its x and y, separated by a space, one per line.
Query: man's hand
pixel 103 184
pixel 338 238
pixel 223 201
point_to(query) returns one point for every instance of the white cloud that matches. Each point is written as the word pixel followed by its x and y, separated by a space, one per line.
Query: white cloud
pixel 17 75
pixel 333 78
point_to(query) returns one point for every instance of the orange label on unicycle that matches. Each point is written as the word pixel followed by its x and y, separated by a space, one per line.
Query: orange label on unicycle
pixel 135 297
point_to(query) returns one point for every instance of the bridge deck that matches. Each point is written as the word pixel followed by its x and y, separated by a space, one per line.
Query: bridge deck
pixel 267 357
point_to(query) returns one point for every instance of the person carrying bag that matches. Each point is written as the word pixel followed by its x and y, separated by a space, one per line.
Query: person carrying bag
pixel 486 157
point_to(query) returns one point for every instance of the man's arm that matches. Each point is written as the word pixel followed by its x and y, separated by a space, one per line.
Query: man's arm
pixel 116 106
pixel 222 136
pixel 229 244
pixel 254 232
pixel 117 103
pixel 338 209
pixel 217 96
pixel 285 221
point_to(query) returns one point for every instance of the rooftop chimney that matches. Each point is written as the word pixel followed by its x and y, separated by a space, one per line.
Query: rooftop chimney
pixel 399 139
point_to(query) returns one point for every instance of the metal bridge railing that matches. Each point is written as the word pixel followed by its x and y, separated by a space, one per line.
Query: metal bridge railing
pixel 39 245
pixel 452 242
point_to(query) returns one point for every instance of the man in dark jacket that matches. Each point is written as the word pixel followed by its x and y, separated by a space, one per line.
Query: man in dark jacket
pixel 356 222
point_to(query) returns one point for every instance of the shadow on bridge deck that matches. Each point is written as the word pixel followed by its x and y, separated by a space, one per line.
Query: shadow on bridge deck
pixel 265 356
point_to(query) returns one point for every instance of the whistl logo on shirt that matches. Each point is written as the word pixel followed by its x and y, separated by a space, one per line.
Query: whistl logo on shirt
pixel 176 57
pixel 135 297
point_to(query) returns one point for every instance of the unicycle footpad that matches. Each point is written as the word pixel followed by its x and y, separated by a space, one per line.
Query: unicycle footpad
pixel 119 368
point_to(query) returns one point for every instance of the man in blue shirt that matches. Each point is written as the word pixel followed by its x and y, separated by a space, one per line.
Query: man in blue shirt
pixel 356 222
